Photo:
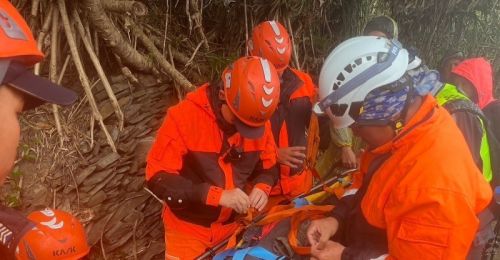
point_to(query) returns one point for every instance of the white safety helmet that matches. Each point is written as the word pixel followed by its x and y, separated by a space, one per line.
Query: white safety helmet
pixel 352 70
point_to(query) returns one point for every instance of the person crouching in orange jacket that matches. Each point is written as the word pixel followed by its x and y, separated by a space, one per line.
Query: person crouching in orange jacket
pixel 290 122
pixel 421 191
pixel 211 146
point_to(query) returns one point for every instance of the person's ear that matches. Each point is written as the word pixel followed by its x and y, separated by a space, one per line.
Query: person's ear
pixel 222 96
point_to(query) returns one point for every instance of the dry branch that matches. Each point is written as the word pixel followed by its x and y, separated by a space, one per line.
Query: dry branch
pixel 158 57
pixel 197 17
pixel 126 72
pixel 134 7
pixel 81 71
pixel 114 39
pixel 34 11
pixel 97 65
pixel 41 36
pixel 54 40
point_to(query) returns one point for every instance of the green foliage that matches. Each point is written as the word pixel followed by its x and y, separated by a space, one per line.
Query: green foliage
pixel 13 197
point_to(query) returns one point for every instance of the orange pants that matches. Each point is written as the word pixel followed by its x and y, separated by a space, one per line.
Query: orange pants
pixel 185 240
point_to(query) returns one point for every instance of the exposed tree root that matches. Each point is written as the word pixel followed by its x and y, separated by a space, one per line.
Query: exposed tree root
pixel 97 65
pixel 81 71
pixel 160 59
pixel 134 7
pixel 114 39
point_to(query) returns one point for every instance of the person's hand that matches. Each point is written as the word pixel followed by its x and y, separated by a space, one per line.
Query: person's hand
pixel 235 199
pixel 349 159
pixel 292 156
pixel 258 199
pixel 321 230
pixel 329 251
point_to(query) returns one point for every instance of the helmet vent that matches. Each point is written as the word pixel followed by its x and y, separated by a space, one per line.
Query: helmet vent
pixel 358 61
pixel 335 86
pixel 348 68
pixel 341 77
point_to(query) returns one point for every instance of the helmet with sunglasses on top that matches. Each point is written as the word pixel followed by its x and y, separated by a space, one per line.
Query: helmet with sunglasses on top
pixel 353 69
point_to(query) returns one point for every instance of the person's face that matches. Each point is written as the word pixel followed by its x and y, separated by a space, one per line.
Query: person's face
pixel 448 67
pixel 226 112
pixel 377 33
pixel 466 86
pixel 374 136
pixel 11 105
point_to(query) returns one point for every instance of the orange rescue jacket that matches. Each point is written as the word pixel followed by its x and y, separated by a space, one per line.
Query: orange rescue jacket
pixel 289 124
pixel 190 145
pixel 427 194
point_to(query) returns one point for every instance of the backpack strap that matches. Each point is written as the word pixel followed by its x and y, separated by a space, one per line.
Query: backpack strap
pixel 462 105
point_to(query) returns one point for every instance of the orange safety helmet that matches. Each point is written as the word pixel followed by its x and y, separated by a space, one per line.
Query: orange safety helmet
pixel 252 89
pixel 270 40
pixel 16 40
pixel 57 235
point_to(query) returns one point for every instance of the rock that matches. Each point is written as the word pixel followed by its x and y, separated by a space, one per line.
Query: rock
pixel 123 169
pixel 97 177
pixel 139 93
pixel 38 196
pixel 107 160
pixel 134 216
pixel 127 147
pixel 114 132
pixel 106 108
pixel 120 87
pixel 155 248
pixel 131 110
pixel 118 235
pixel 94 230
pixel 101 185
pixel 144 132
pixel 137 119
pixel 142 149
pixel 96 149
pixel 117 78
pixel 148 225
pixel 97 199
pixel 136 184
pixel 147 80
pixel 115 182
pixel 128 205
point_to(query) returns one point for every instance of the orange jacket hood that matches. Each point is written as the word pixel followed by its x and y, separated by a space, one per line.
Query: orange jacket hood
pixel 478 72
pixel 200 98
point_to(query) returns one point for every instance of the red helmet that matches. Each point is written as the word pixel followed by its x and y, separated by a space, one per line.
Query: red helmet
pixel 57 235
pixel 16 39
pixel 270 40
pixel 252 89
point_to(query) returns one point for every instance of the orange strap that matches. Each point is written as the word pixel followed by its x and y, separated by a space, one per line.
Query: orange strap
pixel 312 143
pixel 280 212
pixel 243 223
pixel 312 213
